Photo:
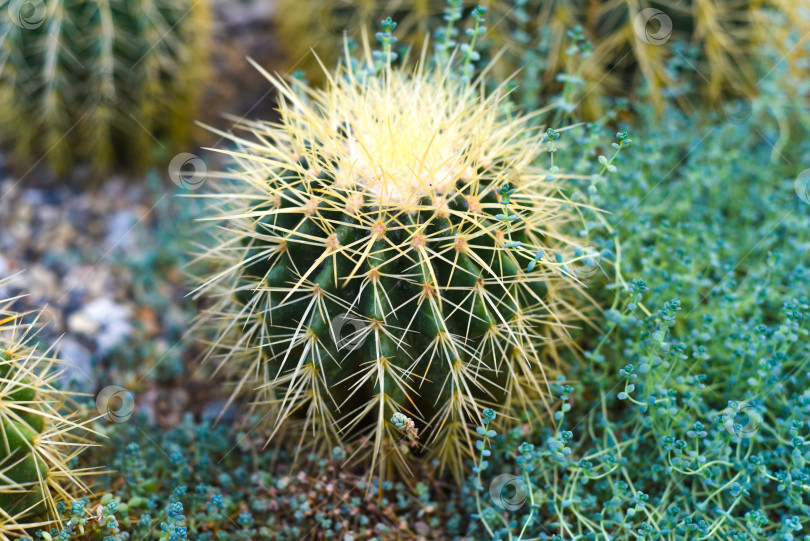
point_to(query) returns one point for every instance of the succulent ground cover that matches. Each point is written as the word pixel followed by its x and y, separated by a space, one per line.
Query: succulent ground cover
pixel 689 420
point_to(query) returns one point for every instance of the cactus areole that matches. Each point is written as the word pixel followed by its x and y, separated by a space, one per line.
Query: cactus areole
pixel 375 252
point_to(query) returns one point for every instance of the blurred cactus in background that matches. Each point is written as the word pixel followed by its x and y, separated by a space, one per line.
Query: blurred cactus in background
pixel 674 46
pixel 101 80
pixel 39 434
pixel 389 259
pixel 319 26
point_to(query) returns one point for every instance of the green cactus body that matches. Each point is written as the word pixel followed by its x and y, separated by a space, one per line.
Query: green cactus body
pixel 374 260
pixel 38 434
pixel 22 469
pixel 436 295
pixel 28 470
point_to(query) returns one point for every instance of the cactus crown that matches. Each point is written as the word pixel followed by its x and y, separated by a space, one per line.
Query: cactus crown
pixel 39 433
pixel 387 247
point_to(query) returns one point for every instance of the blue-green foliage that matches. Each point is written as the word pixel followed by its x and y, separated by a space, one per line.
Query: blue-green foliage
pixel 689 417
pixel 201 482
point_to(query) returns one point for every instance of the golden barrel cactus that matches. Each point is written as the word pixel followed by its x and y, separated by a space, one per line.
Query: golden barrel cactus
pixel 391 246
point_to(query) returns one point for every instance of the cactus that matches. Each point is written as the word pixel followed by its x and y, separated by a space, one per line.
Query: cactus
pixel 629 43
pixel 39 434
pixel 390 246
pixel 101 80
pixel 320 26
pixel 634 41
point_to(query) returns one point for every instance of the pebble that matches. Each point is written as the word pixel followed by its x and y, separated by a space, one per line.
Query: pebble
pixel 121 231
pixel 214 412
pixel 78 363
pixel 112 320
pixel 244 12
pixel 81 323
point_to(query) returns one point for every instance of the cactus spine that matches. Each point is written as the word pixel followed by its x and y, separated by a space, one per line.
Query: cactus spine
pixel 39 434
pixel 371 261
